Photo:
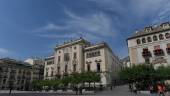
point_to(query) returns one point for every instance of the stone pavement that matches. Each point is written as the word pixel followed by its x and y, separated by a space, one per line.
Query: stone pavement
pixel 118 91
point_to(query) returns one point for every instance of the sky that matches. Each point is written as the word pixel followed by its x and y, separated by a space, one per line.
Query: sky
pixel 32 28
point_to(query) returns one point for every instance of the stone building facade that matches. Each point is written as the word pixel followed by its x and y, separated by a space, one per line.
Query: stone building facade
pixel 49 68
pixel 15 74
pixel 151 45
pixel 37 67
pixel 79 56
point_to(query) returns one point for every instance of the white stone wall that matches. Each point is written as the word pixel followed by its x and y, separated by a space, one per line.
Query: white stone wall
pixel 78 49
pixel 110 65
pixel 150 45
pixel 48 69
pixel 109 62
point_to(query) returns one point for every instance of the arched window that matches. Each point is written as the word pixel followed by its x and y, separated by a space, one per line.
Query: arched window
pixel 155 38
pixel 98 67
pixel 138 41
pixel 143 40
pixel 149 39
pixel 167 35
pixel 161 37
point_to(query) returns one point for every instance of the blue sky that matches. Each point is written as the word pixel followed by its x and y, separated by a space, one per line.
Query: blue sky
pixel 33 27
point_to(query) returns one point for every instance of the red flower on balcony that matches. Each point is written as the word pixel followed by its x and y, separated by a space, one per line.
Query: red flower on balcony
pixel 158 52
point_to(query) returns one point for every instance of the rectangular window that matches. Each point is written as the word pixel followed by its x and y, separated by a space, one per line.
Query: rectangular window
pixel 51 73
pixel 88 67
pixel 147 61
pixel 75 55
pixel 46 74
pixel 18 81
pixel 66 57
pixel 50 62
pixel 98 53
pixel 4 81
pixel 98 67
pixel 65 68
pixel 74 68
pixel 58 69
pixel 168 45
pixel 87 55
pixel 58 58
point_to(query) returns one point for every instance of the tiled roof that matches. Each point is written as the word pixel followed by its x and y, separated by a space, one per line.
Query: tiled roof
pixel 152 30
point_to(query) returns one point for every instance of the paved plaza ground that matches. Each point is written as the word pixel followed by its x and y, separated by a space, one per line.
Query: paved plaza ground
pixel 118 91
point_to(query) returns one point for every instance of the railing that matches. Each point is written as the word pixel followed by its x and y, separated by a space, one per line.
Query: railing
pixel 158 52
pixel 168 50
pixel 146 54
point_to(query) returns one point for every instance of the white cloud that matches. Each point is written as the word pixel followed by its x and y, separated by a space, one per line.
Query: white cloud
pixel 140 8
pixel 91 26
pixel 73 35
pixel 3 51
pixel 98 23
pixel 50 27
pixel 163 14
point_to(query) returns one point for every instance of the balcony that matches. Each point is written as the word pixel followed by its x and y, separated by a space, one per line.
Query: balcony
pixel 158 52
pixel 58 76
pixel 65 73
pixel 146 53
pixel 168 50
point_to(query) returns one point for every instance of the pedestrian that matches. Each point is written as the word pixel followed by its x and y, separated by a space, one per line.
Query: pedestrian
pixel 134 89
pixel 111 87
pixel 76 89
pixel 10 90
pixel 80 90
pixel 130 87
pixel 161 89
pixel 153 90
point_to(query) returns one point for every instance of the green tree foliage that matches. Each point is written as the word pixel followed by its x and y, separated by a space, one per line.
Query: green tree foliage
pixel 144 72
pixel 74 79
pixel 163 73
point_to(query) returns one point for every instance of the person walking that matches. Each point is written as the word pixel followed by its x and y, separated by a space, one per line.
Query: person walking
pixel 161 89
pixel 10 91
pixel 134 89
pixel 153 90
pixel 76 89
pixel 130 87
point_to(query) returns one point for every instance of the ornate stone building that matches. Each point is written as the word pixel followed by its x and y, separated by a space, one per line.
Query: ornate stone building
pixel 79 56
pixel 15 74
pixel 49 68
pixel 151 45
pixel 37 67
pixel 18 74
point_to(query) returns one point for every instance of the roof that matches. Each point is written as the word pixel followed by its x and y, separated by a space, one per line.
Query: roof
pixel 95 46
pixel 13 61
pixel 99 45
pixel 153 29
pixel 50 57
pixel 72 42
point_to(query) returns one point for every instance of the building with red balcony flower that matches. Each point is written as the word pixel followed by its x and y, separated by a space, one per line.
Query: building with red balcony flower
pixel 150 45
